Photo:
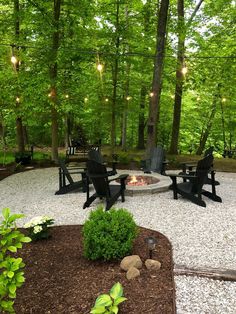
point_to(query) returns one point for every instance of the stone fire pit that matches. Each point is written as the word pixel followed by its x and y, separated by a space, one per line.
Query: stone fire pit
pixel 139 183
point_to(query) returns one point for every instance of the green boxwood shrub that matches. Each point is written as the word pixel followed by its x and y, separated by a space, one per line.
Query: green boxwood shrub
pixel 109 234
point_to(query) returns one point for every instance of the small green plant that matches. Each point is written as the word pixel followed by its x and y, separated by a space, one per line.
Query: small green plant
pixel 38 227
pixel 109 234
pixel 108 303
pixel 124 158
pixel 11 276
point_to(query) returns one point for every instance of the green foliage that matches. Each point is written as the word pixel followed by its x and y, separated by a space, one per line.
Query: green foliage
pixel 124 158
pixel 108 234
pixel 12 276
pixel 108 303
pixel 6 158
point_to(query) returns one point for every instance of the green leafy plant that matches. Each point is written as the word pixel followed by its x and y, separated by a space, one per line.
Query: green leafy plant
pixel 38 227
pixel 108 303
pixel 11 276
pixel 124 158
pixel 109 234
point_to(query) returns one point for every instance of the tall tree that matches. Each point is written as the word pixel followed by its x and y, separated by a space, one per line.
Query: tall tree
pixel 154 105
pixel 182 29
pixel 208 126
pixel 53 76
pixel 16 63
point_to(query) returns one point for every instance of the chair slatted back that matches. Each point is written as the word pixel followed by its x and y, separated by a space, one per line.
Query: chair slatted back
pixel 157 159
pixel 203 167
pixel 65 171
pixel 95 154
pixel 101 185
pixel 209 151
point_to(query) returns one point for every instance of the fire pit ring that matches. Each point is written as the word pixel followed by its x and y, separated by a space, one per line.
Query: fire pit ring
pixel 154 183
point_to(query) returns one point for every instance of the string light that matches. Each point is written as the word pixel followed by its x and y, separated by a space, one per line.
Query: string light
pixel 151 94
pixel 85 99
pixel 17 99
pixel 223 99
pixel 99 67
pixel 172 96
pixel 49 95
pixel 14 60
pixel 67 96
pixel 198 98
pixel 106 100
pixel 128 98
pixel 184 70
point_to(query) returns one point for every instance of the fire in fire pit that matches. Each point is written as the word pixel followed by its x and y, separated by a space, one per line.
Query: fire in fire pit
pixel 141 180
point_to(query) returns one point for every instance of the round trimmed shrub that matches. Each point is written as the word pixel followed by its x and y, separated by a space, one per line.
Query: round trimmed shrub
pixel 109 234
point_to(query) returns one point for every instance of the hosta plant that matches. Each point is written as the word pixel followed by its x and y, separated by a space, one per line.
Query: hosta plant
pixel 11 274
pixel 108 303
pixel 38 227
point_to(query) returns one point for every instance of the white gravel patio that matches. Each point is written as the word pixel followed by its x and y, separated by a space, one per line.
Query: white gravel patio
pixel 201 237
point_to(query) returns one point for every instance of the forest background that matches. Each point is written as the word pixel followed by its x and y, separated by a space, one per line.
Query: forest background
pixel 125 73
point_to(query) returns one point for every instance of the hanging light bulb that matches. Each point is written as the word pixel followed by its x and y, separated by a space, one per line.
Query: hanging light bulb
pixel 14 60
pixel 184 70
pixel 99 67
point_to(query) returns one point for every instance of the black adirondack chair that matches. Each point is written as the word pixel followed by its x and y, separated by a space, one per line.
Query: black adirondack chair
pixel 156 163
pixel 66 182
pixel 98 175
pixel 192 189
pixel 189 168
pixel 70 151
pixel 95 154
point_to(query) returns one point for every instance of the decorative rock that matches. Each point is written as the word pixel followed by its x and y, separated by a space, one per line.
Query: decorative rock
pixel 152 264
pixel 131 261
pixel 132 273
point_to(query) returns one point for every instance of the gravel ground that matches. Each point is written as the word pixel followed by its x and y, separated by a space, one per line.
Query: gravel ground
pixel 201 237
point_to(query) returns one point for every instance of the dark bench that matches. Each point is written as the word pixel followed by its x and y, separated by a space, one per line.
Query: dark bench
pixel 230 153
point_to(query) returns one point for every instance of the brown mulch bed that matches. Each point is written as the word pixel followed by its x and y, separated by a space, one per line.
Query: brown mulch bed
pixel 60 280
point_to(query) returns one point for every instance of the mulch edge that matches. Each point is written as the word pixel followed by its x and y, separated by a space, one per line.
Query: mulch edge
pixel 172 268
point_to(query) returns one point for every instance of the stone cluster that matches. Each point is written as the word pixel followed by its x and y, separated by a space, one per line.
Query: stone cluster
pixel 133 263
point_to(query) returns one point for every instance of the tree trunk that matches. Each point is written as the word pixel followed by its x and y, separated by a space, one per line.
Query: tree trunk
pixel 53 78
pixel 154 105
pixel 19 124
pixel 179 79
pixel 25 135
pixel 141 118
pixel 207 130
pixel 179 74
pixel 19 135
pixel 126 88
pixel 115 79
pixel 147 12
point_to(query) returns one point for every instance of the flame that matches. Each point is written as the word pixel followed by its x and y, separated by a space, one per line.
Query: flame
pixel 133 179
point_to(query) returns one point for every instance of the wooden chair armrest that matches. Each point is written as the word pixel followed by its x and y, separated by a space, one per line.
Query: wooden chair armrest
pixel 184 176
pixel 121 177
